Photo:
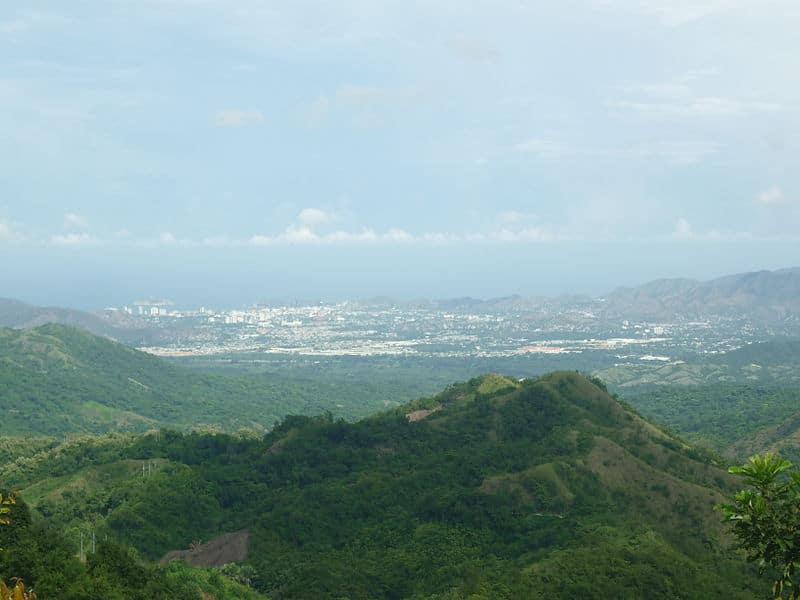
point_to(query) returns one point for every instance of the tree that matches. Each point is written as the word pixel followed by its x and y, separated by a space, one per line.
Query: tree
pixel 765 518
pixel 18 592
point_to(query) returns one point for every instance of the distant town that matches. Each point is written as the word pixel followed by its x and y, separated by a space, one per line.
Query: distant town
pixel 364 329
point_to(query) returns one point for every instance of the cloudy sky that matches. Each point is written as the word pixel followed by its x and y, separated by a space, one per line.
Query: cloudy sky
pixel 233 150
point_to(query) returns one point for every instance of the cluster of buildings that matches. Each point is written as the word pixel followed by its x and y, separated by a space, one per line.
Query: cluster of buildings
pixel 362 330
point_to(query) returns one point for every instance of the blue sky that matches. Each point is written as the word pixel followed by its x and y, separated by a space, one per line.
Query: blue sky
pixel 233 150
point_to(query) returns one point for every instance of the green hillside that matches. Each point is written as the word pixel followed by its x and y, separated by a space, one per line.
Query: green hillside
pixel 42 556
pixel 495 488
pixel 721 416
pixel 782 438
pixel 56 379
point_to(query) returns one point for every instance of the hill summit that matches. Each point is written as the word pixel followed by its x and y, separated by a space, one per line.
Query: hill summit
pixel 494 488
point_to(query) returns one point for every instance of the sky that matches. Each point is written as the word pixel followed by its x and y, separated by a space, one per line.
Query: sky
pixel 231 151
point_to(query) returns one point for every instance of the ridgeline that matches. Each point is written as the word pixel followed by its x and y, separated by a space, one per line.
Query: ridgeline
pixel 495 488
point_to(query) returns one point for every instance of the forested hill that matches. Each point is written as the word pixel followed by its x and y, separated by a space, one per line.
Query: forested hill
pixel 56 379
pixel 495 488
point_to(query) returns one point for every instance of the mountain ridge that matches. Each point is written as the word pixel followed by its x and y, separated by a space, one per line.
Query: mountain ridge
pixel 57 379
pixel 504 492
pixel 764 295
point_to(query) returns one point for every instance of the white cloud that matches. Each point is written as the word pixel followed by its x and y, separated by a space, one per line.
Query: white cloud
pixel 238 117
pixel 162 240
pixel 299 235
pixel 7 233
pixel 684 231
pixel 528 234
pixel 74 239
pixel 313 217
pixel 398 235
pixel 679 153
pixel 31 21
pixel 439 238
pixel 13 26
pixel 675 13
pixel 293 235
pixel 684 152
pixel 772 196
pixel 679 97
pixel 543 148
pixel 260 240
pixel 73 222
pixel 305 236
pixel 707 106
pixel 220 241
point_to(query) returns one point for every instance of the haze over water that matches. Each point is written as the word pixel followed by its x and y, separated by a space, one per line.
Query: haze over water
pixel 225 152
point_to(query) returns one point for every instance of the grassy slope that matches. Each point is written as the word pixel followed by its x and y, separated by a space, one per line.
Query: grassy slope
pixel 782 438
pixel 56 379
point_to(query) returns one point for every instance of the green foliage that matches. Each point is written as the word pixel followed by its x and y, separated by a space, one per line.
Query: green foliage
pixel 113 572
pixel 765 518
pixel 41 554
pixel 510 490
pixel 56 380
pixel 719 416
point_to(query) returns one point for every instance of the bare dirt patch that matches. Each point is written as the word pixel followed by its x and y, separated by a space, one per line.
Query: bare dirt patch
pixel 227 548
pixel 418 415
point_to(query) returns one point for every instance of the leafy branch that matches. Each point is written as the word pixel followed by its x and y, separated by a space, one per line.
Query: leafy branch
pixel 765 518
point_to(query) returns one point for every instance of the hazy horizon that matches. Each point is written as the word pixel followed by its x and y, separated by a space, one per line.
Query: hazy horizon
pixel 81 284
pixel 225 152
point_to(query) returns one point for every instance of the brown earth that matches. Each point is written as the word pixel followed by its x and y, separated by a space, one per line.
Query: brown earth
pixel 227 548
pixel 418 415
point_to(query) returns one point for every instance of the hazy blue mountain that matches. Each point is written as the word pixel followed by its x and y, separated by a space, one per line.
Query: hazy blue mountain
pixel 763 295
pixel 16 314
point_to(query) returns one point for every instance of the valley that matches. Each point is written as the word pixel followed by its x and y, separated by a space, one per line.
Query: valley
pixel 389 453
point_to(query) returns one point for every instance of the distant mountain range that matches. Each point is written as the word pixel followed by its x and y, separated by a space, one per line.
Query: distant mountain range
pixel 20 315
pixel 114 325
pixel 763 296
